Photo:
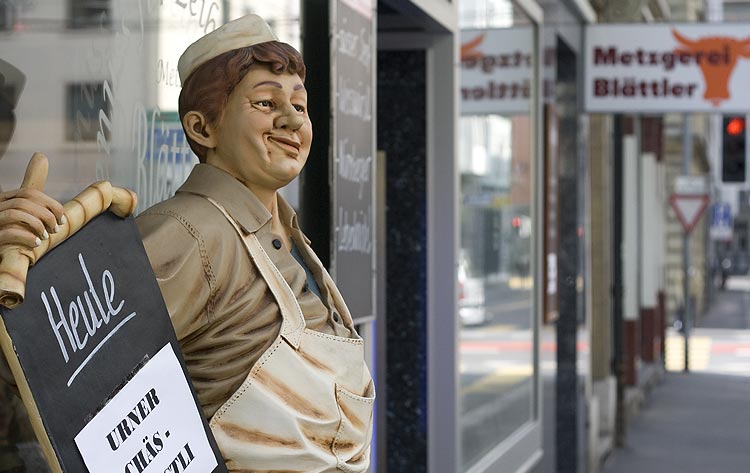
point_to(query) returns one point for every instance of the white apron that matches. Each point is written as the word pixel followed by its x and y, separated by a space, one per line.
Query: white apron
pixel 307 403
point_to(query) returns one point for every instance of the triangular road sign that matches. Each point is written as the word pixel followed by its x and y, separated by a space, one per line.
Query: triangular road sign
pixel 689 208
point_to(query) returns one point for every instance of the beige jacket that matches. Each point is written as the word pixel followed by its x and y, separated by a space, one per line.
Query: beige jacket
pixel 222 311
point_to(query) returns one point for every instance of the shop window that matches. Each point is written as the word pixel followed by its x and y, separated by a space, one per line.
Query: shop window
pixel 84 105
pixel 496 278
pixel 89 14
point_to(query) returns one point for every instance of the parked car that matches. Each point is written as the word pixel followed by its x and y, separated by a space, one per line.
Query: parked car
pixel 471 305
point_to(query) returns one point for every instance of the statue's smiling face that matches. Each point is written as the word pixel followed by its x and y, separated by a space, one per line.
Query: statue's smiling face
pixel 264 133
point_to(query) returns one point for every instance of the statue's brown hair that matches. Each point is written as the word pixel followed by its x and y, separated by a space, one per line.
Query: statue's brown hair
pixel 208 88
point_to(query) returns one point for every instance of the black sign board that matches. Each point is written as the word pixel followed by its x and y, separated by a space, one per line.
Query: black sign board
pixel 353 152
pixel 92 319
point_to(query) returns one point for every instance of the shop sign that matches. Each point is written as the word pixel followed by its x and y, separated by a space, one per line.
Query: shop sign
pixel 667 68
pixel 496 70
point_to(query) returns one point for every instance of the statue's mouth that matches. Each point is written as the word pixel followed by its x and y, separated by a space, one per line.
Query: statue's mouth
pixel 285 143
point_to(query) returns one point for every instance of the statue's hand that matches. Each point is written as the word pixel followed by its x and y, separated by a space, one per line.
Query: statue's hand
pixel 27 217
pixel 30 220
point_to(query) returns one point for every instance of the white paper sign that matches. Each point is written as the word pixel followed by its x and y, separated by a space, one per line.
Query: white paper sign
pixel 151 425
pixel 687 184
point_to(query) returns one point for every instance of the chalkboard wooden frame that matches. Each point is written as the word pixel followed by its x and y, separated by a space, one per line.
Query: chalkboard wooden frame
pixel 62 399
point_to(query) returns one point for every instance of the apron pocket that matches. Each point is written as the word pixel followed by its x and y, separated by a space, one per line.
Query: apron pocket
pixel 352 443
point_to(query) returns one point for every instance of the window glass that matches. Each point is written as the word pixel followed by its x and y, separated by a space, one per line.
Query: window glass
pixel 82 104
pixel 93 84
pixel 101 86
pixel 495 275
pixel 89 13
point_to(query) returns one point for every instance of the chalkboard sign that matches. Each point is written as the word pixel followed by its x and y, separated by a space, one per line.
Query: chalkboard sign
pixel 99 354
pixel 354 149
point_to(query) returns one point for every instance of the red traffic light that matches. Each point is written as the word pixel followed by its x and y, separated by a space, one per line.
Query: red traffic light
pixel 735 126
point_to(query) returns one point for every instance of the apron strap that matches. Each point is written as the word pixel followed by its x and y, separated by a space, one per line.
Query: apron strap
pixel 338 299
pixel 293 322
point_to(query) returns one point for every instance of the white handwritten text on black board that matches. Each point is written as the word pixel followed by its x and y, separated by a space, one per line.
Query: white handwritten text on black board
pixel 92 319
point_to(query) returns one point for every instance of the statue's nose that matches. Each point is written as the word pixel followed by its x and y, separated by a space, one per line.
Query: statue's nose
pixel 290 118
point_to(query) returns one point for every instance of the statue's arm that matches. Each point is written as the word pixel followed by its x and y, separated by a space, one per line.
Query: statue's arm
pixel 179 258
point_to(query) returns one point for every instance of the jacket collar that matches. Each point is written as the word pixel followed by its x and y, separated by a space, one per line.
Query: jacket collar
pixel 209 181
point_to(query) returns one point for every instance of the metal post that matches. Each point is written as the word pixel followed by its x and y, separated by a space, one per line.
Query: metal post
pixel 618 329
pixel 687 156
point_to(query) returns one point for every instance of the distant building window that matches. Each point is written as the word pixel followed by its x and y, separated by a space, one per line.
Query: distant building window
pixel 89 14
pixel 85 104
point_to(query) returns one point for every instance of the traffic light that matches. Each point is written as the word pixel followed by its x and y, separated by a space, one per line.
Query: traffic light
pixel 733 149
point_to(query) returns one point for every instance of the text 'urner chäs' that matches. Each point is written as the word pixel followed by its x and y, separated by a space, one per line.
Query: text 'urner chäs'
pixel 152 444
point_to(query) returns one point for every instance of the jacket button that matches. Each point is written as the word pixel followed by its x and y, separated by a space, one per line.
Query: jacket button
pixel 276 243
pixel 336 317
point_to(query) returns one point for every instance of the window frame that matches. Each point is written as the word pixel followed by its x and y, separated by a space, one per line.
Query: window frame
pixel 522 450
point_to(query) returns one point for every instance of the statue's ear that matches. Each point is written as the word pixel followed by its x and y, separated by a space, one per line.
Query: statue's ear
pixel 198 129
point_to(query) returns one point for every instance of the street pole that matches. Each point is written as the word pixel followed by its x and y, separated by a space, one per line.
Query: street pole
pixel 618 323
pixel 687 155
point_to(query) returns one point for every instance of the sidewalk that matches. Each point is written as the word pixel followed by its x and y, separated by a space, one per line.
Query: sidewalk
pixel 691 423
pixel 697 422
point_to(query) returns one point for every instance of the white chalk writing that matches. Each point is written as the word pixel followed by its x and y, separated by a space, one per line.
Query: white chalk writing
pixel 355 230
pixel 356 46
pixel 353 168
pixel 92 314
pixel 355 101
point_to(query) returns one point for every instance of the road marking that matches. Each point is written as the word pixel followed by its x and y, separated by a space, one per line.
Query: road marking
pixel 738 283
pixel 499 328
pixel 499 380
pixel 508 306
pixel 517 282
pixel 738 369
pixel 700 353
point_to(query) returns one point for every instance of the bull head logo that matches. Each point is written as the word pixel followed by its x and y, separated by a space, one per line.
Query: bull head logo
pixel 717 57
pixel 469 49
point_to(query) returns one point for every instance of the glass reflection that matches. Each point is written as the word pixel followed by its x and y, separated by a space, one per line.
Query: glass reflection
pixel 495 282
pixel 94 85
pixel 495 275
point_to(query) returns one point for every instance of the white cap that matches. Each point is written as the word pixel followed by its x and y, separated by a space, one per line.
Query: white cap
pixel 240 33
